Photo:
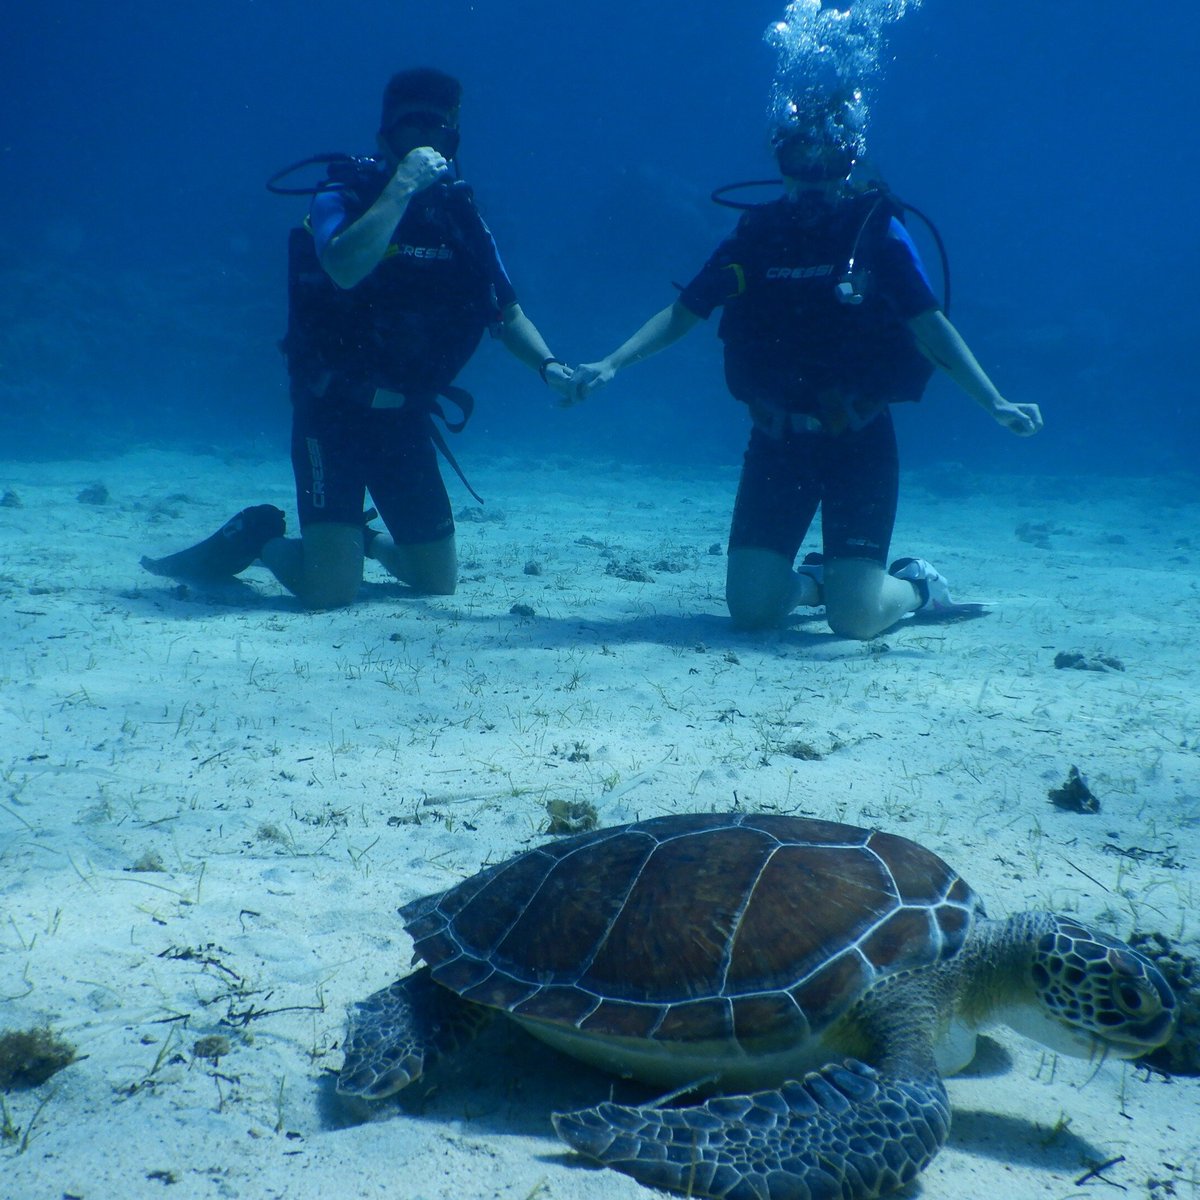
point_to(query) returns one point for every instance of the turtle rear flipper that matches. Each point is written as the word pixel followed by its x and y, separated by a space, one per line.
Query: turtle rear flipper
pixel 396 1034
pixel 843 1131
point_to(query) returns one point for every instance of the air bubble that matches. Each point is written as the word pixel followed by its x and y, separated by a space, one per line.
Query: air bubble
pixel 829 60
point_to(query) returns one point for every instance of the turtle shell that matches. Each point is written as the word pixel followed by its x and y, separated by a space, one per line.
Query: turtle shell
pixel 695 928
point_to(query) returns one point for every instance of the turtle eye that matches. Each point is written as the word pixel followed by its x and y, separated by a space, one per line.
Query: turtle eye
pixel 1133 999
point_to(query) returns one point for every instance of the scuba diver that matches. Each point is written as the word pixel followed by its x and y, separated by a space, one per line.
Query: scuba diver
pixel 828 320
pixel 392 283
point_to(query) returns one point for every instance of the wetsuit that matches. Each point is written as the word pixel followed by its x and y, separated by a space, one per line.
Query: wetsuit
pixel 817 374
pixel 408 328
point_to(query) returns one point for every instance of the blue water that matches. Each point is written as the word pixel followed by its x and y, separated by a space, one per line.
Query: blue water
pixel 143 262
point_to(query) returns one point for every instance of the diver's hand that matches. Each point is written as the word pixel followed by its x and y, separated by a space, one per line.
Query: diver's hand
pixel 591 377
pixel 1022 419
pixel 559 380
pixel 418 169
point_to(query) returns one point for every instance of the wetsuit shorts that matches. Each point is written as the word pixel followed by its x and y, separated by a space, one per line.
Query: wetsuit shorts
pixel 853 477
pixel 340 451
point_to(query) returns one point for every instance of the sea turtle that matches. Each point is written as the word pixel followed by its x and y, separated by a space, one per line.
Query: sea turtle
pixel 820 977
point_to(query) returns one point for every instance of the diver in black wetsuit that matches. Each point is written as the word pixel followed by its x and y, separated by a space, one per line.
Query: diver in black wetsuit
pixel 392 284
pixel 828 319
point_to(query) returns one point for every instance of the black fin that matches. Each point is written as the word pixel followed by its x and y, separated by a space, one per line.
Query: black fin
pixel 231 549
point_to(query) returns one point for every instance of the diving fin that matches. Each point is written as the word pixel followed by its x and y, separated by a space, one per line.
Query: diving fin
pixel 231 549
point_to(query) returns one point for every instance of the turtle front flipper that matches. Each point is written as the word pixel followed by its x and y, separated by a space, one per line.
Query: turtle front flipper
pixel 396 1034
pixel 844 1131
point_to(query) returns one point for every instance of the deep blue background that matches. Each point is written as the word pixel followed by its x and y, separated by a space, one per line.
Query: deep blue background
pixel 142 268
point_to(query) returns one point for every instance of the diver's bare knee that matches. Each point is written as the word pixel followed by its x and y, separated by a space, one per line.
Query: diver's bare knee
pixel 859 625
pixel 754 614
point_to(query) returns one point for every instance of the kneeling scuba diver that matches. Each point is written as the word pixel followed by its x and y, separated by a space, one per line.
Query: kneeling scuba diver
pixel 828 319
pixel 393 280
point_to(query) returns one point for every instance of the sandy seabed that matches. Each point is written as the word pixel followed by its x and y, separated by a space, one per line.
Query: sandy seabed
pixel 213 803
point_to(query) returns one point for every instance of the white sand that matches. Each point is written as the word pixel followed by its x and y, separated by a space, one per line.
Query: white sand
pixel 298 776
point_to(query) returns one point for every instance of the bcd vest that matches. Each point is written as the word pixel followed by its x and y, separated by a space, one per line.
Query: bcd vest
pixel 790 343
pixel 413 323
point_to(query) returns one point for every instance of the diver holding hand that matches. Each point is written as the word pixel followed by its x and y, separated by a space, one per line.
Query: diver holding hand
pixel 392 283
pixel 828 320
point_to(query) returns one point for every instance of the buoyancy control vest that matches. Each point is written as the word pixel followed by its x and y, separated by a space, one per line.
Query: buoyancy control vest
pixel 413 323
pixel 809 330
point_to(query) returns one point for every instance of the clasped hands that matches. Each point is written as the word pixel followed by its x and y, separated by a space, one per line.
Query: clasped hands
pixel 573 385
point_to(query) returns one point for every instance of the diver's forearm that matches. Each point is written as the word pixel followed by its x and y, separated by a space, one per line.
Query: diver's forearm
pixel 355 252
pixel 662 330
pixel 944 346
pixel 523 339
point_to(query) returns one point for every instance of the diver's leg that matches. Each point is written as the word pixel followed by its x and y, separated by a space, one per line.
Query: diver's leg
pixel 761 588
pixel 430 567
pixel 777 499
pixel 862 482
pixel 862 599
pixel 406 487
pixel 324 568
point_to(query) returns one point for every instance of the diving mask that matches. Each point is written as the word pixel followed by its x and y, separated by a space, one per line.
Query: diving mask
pixel 813 160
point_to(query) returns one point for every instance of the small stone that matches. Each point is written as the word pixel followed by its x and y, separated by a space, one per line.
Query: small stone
pixel 477 515
pixel 1073 660
pixel 1035 533
pixel 213 1046
pixel 804 751
pixel 1075 795
pixel 94 493
pixel 630 570
pixel 571 816
pixel 670 566
pixel 151 861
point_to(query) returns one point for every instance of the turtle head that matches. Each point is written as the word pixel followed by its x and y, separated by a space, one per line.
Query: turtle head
pixel 1094 994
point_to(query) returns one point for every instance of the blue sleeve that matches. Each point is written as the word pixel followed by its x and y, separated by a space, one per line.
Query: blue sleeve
pixel 327 217
pixel 506 294
pixel 902 275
